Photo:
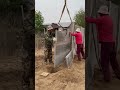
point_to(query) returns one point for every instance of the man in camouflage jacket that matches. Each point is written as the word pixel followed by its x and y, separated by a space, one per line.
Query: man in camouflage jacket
pixel 48 45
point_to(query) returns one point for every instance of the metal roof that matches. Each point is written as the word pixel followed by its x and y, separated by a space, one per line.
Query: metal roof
pixel 63 24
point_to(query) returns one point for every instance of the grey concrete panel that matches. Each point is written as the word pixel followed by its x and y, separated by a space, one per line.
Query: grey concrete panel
pixel 63 45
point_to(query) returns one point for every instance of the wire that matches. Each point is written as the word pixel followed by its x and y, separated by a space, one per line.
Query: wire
pixel 65 5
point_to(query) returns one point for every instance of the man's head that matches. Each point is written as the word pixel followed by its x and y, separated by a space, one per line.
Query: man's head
pixel 103 10
pixel 49 28
pixel 78 30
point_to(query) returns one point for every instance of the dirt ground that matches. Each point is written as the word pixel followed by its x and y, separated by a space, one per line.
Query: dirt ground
pixel 10 74
pixel 61 78
pixel 99 84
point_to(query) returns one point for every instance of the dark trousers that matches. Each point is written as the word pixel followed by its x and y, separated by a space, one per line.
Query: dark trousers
pixel 80 50
pixel 108 56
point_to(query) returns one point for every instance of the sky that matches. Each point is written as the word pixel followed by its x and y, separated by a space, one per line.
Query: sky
pixel 51 9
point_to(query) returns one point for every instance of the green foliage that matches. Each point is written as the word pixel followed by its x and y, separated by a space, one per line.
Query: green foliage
pixel 80 18
pixel 38 21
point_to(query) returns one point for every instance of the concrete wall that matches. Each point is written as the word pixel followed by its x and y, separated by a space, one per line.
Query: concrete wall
pixel 63 45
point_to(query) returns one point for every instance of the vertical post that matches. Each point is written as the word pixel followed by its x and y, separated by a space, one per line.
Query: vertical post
pixel 22 14
pixel 109 5
pixel 22 21
pixel 73 43
pixel 117 33
pixel 55 48
pixel 44 31
pixel 73 27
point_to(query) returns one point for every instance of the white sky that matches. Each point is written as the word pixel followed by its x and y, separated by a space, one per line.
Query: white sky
pixel 51 9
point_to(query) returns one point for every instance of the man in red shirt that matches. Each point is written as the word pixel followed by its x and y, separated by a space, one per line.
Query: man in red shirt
pixel 79 42
pixel 104 25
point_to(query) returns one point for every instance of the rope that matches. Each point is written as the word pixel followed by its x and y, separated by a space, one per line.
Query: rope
pixel 69 14
pixel 65 5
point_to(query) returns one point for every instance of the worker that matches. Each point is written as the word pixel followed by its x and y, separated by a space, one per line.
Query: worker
pixel 79 42
pixel 48 44
pixel 104 25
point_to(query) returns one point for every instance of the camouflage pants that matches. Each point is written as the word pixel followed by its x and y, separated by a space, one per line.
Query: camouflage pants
pixel 48 54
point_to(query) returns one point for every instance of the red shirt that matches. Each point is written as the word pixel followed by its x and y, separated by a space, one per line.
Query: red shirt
pixel 105 28
pixel 78 37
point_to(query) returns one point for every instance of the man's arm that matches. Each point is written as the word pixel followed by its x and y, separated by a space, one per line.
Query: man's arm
pixel 73 34
pixel 93 20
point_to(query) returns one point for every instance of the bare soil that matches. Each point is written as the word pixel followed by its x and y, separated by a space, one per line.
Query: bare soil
pixel 99 84
pixel 60 78
pixel 10 73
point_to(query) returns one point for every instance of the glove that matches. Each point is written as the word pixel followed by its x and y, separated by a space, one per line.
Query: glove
pixel 54 39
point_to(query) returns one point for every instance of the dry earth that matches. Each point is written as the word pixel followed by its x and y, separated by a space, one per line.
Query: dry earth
pixel 10 73
pixel 60 78
pixel 101 85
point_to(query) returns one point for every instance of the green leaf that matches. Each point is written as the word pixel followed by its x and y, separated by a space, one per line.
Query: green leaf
pixel 38 21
